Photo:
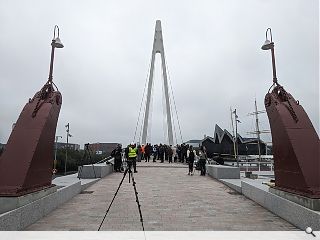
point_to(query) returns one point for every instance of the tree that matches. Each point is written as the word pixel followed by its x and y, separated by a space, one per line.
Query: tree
pixel 75 159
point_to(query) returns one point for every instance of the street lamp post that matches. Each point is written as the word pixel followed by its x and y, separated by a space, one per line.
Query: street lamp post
pixel 235 138
pixel 55 154
pixel 67 146
pixel 56 43
pixel 269 45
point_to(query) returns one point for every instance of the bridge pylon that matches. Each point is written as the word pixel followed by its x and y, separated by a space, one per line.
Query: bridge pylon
pixel 157 48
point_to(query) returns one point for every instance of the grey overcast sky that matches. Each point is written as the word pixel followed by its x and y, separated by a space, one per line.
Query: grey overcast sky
pixel 212 50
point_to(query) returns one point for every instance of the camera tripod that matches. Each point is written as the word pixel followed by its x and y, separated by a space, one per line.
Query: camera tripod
pixel 86 157
pixel 128 170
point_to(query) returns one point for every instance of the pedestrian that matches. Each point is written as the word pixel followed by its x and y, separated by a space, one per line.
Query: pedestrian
pixel 132 157
pixel 148 150
pixel 179 152
pixel 155 152
pixel 202 160
pixel 126 152
pixel 190 156
pixel 143 152
pixel 117 155
pixel 166 152
pixel 170 153
pixel 184 152
pixel 161 152
pixel 182 148
pixel 174 153
pixel 139 153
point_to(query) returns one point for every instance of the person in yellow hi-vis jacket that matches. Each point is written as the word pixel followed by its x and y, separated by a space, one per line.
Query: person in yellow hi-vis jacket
pixel 132 157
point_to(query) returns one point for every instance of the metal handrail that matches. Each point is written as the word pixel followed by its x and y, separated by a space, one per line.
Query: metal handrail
pixel 107 159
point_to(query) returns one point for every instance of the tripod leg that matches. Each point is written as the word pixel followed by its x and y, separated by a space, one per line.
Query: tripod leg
pixel 124 175
pixel 137 200
pixel 129 166
pixel 130 174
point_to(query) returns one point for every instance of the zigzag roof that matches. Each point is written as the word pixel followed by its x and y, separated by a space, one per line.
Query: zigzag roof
pixel 219 134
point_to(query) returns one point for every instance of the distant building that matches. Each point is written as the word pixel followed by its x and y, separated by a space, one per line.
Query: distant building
pixel 194 143
pixel 102 148
pixel 222 143
pixel 73 146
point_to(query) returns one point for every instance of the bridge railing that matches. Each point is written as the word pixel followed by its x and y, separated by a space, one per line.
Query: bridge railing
pixel 254 165
pixel 107 160
pixel 250 163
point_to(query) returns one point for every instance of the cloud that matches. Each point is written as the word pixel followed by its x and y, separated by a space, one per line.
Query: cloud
pixel 212 49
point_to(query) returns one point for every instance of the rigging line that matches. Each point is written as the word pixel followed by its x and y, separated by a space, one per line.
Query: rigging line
pixel 145 85
pixel 174 102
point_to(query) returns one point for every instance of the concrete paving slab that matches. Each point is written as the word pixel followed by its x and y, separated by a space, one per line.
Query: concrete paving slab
pixel 170 200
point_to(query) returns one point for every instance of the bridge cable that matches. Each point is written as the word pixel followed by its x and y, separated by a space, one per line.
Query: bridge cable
pixel 165 126
pixel 170 103
pixel 176 112
pixel 173 120
pixel 174 126
pixel 143 94
pixel 174 102
pixel 150 107
pixel 150 117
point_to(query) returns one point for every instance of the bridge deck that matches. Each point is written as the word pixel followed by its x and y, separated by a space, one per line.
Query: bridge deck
pixel 170 200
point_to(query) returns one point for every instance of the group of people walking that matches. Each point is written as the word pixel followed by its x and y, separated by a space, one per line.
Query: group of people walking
pixel 201 164
pixel 180 153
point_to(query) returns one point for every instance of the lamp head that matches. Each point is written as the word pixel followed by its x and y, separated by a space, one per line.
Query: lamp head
pixel 57 43
pixel 267 45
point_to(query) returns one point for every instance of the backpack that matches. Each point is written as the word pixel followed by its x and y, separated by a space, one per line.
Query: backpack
pixel 191 155
pixel 202 155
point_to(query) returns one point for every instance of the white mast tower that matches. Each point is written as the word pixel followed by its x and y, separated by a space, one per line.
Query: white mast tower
pixel 157 48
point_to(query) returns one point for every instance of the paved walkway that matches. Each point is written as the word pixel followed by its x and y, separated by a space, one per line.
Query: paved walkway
pixel 170 200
